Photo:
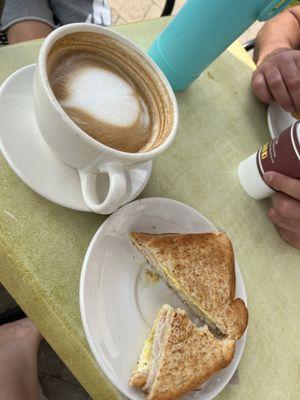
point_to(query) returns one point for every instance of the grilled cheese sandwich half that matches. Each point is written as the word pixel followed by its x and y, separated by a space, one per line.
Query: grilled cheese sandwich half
pixel 200 269
pixel 161 270
pixel 182 356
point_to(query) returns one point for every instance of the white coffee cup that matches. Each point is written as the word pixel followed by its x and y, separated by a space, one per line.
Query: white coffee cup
pixel 79 150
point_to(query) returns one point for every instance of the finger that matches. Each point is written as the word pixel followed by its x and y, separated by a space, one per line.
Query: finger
pixel 286 206
pixel 284 184
pixel 278 89
pixel 291 77
pixel 289 237
pixel 260 88
pixel 290 225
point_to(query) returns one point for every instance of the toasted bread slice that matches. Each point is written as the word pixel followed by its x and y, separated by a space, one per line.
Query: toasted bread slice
pixel 183 356
pixel 200 268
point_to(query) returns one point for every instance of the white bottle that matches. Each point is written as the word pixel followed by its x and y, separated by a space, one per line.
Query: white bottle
pixel 280 155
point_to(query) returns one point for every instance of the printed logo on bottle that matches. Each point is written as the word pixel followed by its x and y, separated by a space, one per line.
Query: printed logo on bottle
pixel 281 154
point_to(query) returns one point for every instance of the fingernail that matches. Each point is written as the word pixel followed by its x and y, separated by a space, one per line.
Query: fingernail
pixel 269 178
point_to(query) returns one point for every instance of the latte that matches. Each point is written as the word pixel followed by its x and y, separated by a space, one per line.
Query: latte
pixel 110 94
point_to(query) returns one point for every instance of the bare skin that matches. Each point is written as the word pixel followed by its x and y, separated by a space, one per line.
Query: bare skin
pixel 285 211
pixel 277 55
pixel 277 78
pixel 27 30
pixel 19 342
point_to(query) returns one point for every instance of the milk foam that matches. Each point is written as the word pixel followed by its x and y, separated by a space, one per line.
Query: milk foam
pixel 103 95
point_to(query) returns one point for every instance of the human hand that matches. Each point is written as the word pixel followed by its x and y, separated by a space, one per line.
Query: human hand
pixel 285 212
pixel 277 78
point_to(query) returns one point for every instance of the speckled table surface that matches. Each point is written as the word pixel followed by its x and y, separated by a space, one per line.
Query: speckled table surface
pixel 42 245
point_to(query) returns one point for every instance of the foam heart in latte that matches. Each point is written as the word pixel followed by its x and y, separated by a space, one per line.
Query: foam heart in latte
pixel 106 97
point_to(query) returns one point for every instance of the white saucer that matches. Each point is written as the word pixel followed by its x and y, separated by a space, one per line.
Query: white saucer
pixel 118 305
pixel 33 161
pixel 278 120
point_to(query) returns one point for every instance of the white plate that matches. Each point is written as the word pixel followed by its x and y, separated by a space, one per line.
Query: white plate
pixel 278 120
pixel 118 306
pixel 33 161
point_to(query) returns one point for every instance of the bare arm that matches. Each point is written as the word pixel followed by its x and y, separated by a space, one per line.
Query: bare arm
pixel 27 30
pixel 281 32
pixel 277 77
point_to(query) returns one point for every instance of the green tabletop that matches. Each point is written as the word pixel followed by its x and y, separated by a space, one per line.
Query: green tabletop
pixel 42 245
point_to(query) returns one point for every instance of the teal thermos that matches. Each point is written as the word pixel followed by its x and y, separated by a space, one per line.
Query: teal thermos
pixel 201 31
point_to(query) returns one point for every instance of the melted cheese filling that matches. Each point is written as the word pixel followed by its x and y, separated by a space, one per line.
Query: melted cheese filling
pixel 145 357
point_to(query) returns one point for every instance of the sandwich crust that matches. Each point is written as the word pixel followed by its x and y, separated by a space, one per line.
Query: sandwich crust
pixel 138 379
pixel 200 268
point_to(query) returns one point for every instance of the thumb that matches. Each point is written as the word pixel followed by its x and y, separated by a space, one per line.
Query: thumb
pixel 283 183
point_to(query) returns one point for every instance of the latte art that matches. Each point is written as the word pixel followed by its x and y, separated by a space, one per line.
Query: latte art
pixel 108 91
pixel 105 97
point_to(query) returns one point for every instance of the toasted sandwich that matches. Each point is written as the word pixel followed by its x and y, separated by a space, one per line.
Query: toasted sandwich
pixel 180 357
pixel 200 269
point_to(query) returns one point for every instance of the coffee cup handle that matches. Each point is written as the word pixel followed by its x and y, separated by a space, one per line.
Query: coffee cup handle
pixel 116 191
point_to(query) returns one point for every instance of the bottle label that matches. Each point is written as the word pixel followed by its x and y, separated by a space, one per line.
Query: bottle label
pixel 281 154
